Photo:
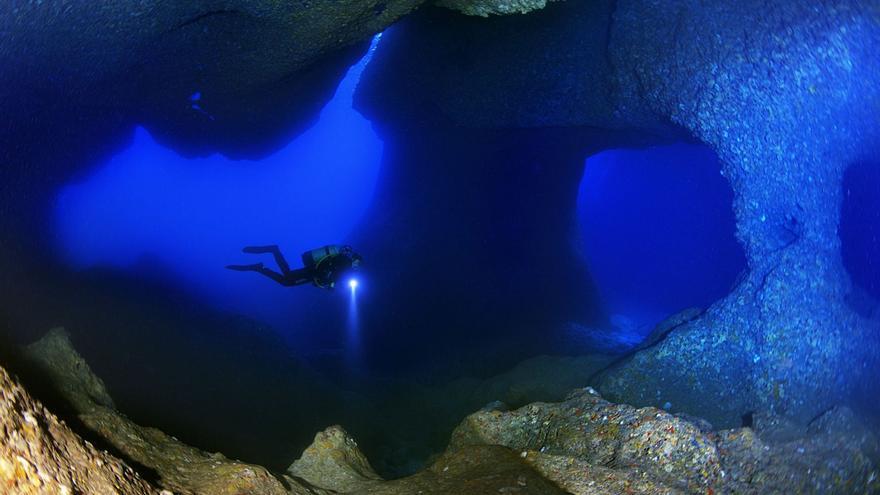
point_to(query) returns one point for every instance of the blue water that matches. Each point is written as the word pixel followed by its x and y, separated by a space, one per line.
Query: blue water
pixel 150 210
pixel 478 250
pixel 860 226
pixel 657 230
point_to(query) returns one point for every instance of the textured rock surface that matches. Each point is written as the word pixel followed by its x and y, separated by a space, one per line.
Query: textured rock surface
pixel 787 95
pixel 583 445
pixel 205 75
pixel 40 455
pixel 334 461
pixel 440 66
pixel 177 467
pixel 787 107
pixel 484 8
pixel 588 445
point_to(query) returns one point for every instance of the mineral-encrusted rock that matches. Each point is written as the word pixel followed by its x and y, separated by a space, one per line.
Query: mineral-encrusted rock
pixel 828 459
pixel 40 455
pixel 788 98
pixel 485 8
pixel 179 467
pixel 204 75
pixel 474 469
pixel 786 94
pixel 333 461
pixel 589 445
pixel 583 445
pixel 595 432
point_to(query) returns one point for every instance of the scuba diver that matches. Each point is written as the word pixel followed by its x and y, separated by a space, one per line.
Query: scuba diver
pixel 323 267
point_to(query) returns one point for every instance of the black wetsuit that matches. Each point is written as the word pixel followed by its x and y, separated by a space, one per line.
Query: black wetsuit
pixel 323 266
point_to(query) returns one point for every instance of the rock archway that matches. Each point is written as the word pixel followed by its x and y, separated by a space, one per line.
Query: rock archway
pixel 787 96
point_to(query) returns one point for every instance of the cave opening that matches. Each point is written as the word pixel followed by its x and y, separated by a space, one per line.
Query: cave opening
pixel 657 231
pixel 860 226
pixel 537 224
pixel 449 289
pixel 156 214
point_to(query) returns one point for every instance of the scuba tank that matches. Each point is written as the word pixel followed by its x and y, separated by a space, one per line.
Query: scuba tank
pixel 328 263
pixel 313 258
pixel 320 262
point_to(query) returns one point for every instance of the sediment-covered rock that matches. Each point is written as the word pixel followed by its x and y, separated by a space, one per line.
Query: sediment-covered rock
pixel 40 455
pixel 586 441
pixel 204 76
pixel 333 461
pixel 177 466
pixel 787 96
pixel 582 445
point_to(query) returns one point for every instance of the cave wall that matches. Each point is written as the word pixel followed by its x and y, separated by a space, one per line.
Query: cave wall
pixel 442 67
pixel 241 78
pixel 786 95
pixel 198 73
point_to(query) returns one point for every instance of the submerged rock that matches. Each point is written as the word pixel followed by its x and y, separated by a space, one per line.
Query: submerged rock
pixel 334 462
pixel 236 76
pixel 175 465
pixel 69 373
pixel 590 445
pixel 39 454
pixel 484 8
pixel 785 94
pixel 582 445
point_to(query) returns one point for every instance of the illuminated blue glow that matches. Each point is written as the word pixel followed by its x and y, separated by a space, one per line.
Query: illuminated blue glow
pixel 186 218
pixel 654 218
pixel 353 283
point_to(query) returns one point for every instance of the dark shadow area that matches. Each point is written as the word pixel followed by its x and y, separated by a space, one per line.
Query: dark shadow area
pixel 44 389
pixel 220 383
pixel 63 133
pixel 470 248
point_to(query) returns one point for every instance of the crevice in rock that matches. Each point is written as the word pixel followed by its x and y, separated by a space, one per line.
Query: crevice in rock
pixel 206 15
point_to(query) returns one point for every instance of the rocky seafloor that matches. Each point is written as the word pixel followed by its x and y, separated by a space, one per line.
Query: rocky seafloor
pixel 582 445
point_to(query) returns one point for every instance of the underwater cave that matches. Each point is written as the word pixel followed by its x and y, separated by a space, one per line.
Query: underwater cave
pixel 448 246
pixel 657 232
pixel 860 226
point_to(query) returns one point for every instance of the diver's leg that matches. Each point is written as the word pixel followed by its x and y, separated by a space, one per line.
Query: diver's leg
pixel 298 277
pixel 245 268
pixel 262 270
pixel 273 249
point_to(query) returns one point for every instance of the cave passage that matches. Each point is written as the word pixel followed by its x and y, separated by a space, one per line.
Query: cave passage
pixel 657 230
pixel 150 211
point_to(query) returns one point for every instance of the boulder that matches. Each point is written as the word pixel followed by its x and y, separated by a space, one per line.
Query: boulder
pixel 589 445
pixel 40 454
pixel 333 461
pixel 175 465
pixel 582 445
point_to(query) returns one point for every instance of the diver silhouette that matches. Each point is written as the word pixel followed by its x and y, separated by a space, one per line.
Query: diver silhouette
pixel 323 267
